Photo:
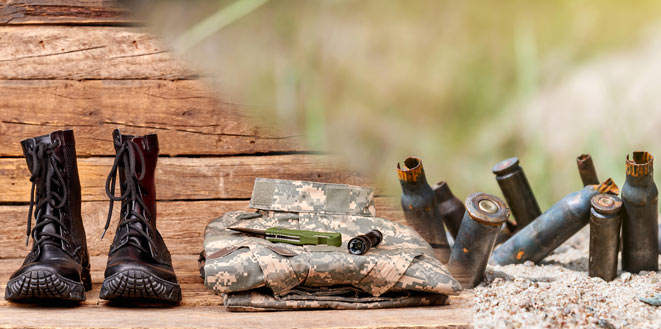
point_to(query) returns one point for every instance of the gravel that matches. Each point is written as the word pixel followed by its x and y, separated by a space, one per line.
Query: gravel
pixel 559 293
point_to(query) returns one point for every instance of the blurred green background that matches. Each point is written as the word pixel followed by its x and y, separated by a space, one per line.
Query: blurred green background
pixel 462 84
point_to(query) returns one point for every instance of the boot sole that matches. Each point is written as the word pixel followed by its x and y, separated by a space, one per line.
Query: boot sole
pixel 139 285
pixel 43 285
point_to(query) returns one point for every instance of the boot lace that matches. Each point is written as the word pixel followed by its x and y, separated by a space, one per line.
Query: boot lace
pixel 50 187
pixel 126 159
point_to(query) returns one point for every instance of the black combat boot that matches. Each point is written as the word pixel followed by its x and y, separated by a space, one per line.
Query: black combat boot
pixel 57 267
pixel 139 263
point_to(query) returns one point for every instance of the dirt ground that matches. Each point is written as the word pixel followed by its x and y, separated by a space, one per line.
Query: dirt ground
pixel 559 293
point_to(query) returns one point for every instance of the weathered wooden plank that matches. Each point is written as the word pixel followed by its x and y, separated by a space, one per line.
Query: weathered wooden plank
pixel 79 53
pixel 390 208
pixel 79 12
pixel 181 223
pixel 186 116
pixel 188 178
pixel 454 316
pixel 201 309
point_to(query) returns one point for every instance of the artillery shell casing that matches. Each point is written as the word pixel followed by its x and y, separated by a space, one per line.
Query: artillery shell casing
pixel 586 170
pixel 484 216
pixel 604 236
pixel 420 209
pixel 550 229
pixel 640 200
pixel 659 238
pixel 450 207
pixel 517 192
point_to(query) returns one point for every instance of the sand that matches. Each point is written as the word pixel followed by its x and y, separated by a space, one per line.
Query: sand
pixel 559 293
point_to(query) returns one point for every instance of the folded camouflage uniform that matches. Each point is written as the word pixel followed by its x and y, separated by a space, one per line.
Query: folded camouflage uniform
pixel 254 274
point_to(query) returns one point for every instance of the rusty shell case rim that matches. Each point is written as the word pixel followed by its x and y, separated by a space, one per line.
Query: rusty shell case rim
pixel 607 186
pixel 496 218
pixel 412 170
pixel 584 161
pixel 506 166
pixel 601 204
pixel 641 165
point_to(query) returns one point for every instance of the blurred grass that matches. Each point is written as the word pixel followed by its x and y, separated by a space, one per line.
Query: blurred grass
pixel 375 81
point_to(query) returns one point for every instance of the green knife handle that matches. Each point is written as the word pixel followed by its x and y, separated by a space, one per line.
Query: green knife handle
pixel 300 237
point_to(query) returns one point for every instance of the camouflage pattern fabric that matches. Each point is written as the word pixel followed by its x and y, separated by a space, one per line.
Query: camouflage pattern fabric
pixel 403 264
pixel 300 299
pixel 299 196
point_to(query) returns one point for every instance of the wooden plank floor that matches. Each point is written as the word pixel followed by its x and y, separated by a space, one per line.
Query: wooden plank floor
pixel 199 308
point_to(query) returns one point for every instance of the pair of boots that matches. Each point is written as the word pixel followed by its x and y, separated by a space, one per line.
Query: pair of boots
pixel 139 264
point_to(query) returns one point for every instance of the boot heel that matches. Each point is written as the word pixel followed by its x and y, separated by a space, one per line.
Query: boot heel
pixel 87 279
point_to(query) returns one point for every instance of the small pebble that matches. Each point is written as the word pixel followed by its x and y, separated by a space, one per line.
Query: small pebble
pixel 605 324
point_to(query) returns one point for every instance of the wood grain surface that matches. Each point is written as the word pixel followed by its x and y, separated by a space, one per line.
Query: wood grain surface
pixel 181 223
pixel 76 12
pixel 189 178
pixel 201 309
pixel 85 52
pixel 189 120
